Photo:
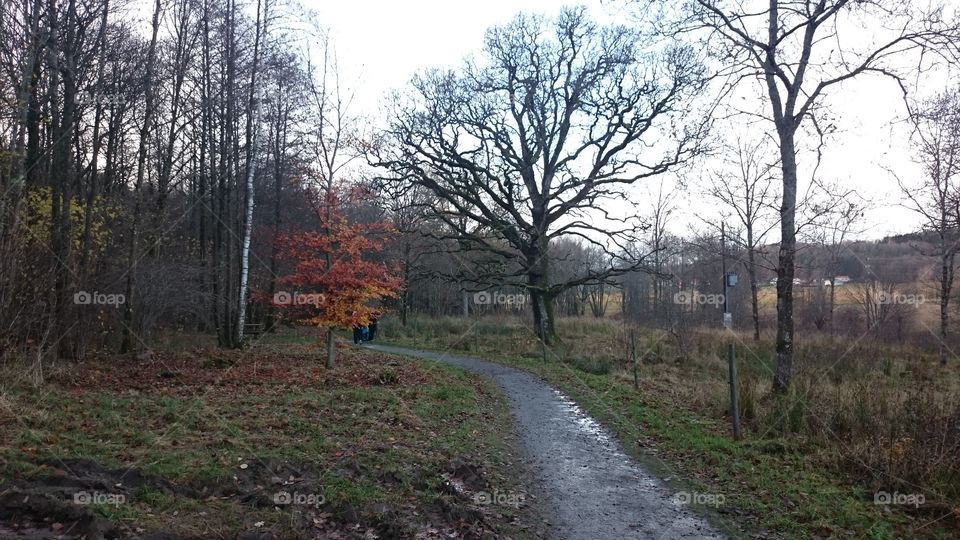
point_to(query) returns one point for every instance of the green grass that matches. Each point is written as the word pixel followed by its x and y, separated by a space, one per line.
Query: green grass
pixel 780 483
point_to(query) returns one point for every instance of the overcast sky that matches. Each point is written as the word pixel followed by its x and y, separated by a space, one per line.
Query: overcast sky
pixel 381 44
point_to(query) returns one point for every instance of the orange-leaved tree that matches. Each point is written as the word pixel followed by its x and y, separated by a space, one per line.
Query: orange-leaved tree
pixel 336 279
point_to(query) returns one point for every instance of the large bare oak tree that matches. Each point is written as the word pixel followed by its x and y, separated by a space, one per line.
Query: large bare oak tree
pixel 535 141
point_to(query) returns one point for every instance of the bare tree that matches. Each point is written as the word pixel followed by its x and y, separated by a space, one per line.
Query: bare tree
pixel 936 139
pixel 790 47
pixel 745 185
pixel 597 294
pixel 875 297
pixel 662 208
pixel 289 90
pixel 531 144
pixel 133 243
pixel 252 129
pixel 837 224
pixel 409 213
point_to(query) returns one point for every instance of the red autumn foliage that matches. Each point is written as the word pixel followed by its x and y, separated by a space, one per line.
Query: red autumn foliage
pixel 335 280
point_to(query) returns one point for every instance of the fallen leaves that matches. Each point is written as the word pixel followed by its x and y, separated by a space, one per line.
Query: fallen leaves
pixel 257 370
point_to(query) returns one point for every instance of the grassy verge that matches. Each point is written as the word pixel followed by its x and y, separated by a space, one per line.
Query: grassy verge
pixel 803 470
pixel 215 444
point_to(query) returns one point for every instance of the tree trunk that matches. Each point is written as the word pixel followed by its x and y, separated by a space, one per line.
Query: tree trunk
pixel 26 95
pixel 543 316
pixel 37 44
pixel 279 150
pixel 833 300
pixel 130 298
pixel 786 270
pixel 63 175
pixel 946 284
pixel 754 294
pixel 166 163
pixel 331 348
pixel 251 136
pixel 205 166
pixel 229 157
pixel 95 155
pixel 543 300
pixel 405 294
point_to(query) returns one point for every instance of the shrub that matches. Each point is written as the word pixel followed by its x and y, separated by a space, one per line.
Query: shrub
pixel 594 365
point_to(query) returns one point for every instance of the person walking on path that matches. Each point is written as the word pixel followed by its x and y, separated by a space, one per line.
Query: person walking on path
pixel 357 334
pixel 373 327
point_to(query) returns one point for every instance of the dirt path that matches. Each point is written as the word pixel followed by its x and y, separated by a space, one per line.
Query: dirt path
pixel 593 488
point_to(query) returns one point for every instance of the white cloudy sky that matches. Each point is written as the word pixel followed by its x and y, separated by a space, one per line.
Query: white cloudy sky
pixel 381 44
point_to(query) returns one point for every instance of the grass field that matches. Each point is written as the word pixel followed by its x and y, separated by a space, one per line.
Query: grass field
pixel 861 421
pixel 204 443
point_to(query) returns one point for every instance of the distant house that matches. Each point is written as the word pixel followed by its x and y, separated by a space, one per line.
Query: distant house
pixel 837 280
pixel 796 282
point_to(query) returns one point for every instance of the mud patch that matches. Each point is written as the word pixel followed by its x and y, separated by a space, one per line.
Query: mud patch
pixel 35 514
pixel 467 474
pixel 58 501
pixel 268 482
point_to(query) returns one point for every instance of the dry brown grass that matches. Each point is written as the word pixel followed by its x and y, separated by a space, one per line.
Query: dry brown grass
pixel 887 415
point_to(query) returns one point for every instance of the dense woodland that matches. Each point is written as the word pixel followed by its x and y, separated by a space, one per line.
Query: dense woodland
pixel 164 164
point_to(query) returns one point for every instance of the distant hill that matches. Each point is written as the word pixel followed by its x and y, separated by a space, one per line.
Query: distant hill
pixel 902 258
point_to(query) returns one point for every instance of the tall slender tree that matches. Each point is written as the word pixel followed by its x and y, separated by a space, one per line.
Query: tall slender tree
pixel 789 47
pixel 936 138
pixel 129 322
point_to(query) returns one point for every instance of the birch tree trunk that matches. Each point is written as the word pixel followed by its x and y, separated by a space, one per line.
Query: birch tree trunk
pixel 251 136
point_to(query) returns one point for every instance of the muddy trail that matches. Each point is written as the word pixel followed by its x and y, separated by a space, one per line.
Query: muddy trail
pixel 593 489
